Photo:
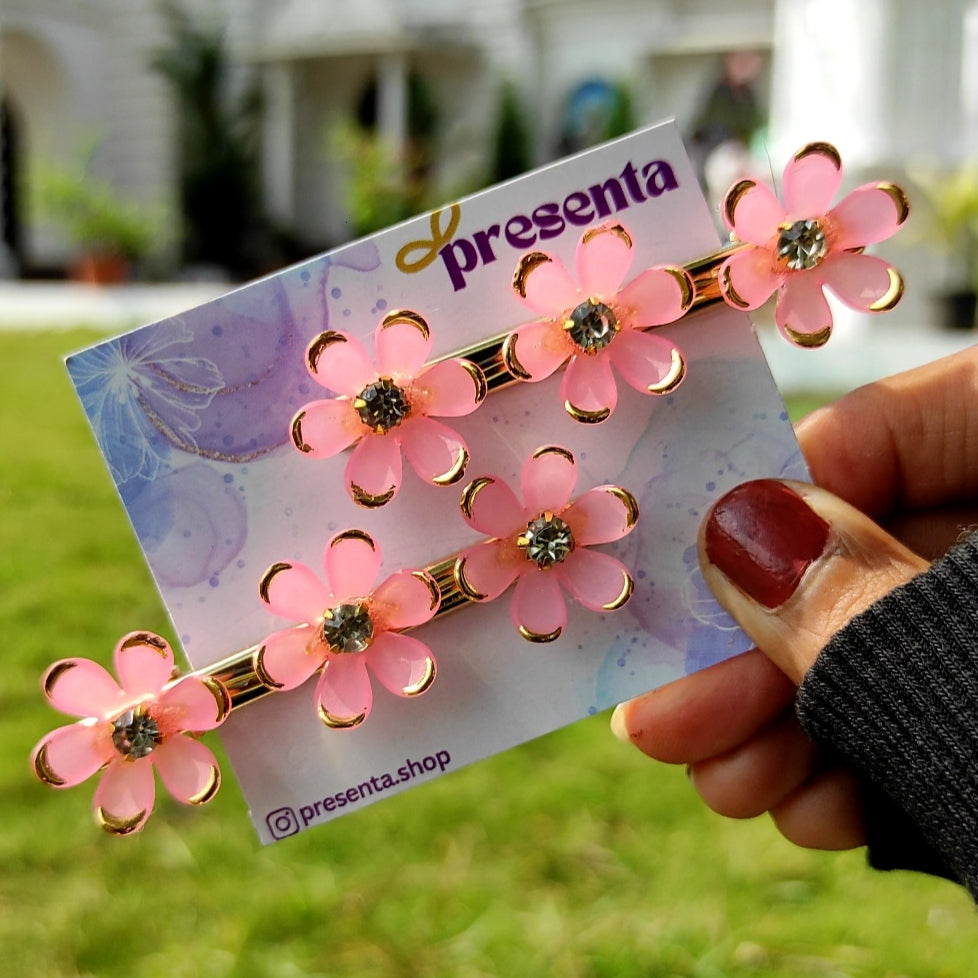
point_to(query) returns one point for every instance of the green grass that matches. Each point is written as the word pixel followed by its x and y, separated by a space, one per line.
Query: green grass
pixel 570 857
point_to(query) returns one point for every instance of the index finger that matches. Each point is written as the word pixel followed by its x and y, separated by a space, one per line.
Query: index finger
pixel 904 443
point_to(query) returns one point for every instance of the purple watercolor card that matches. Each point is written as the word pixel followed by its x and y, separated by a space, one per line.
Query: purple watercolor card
pixel 193 416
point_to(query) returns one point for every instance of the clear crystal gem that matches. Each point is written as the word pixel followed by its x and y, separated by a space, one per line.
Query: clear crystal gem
pixel 136 734
pixel 546 541
pixel 592 325
pixel 802 245
pixel 348 628
pixel 382 405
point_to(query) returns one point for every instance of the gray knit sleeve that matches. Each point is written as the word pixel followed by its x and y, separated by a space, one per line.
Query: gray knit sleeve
pixel 895 694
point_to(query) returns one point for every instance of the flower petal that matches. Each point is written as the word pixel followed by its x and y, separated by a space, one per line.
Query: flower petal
pixel 747 278
pixel 752 212
pixel 193 704
pixel 538 608
pixel 352 560
pixel 436 452
pixel 81 688
pixel 292 590
pixel 648 362
pixel 449 389
pixel 802 312
pixel 604 255
pixel 188 769
pixel 484 571
pixel 601 515
pixel 547 479
pixel 405 599
pixel 403 342
pixel 339 363
pixel 143 663
pixel 863 282
pixel 534 351
pixel 811 179
pixel 491 507
pixel 373 471
pixel 543 283
pixel 322 429
pixel 870 213
pixel 69 755
pixel 287 658
pixel 588 388
pixel 658 295
pixel 599 581
pixel 403 664
pixel 343 693
pixel 125 796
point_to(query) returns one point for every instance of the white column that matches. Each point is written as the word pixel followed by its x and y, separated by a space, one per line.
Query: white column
pixel 278 141
pixel 392 101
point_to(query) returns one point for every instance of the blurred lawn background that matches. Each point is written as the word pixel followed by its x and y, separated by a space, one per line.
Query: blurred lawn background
pixel 571 857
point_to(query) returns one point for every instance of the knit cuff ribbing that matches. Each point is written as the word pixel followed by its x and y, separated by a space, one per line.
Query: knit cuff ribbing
pixel 895 693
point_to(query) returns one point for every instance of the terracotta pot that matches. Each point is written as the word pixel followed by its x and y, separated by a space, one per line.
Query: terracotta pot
pixel 100 268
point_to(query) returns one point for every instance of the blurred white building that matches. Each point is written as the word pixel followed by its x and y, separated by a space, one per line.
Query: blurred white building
pixel 886 79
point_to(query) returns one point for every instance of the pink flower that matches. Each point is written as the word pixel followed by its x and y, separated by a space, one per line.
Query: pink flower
pixel 543 544
pixel 598 323
pixel 346 627
pixel 129 728
pixel 805 245
pixel 387 407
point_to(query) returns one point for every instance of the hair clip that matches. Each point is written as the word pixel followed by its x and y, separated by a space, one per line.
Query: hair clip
pixel 385 406
pixel 543 544
pixel 598 323
pixel 805 245
pixel 346 626
pixel 145 721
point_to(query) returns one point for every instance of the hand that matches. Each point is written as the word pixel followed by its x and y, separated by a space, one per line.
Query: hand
pixel 903 451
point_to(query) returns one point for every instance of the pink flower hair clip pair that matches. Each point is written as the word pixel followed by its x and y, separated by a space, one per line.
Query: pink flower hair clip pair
pixel 597 323
pixel 344 629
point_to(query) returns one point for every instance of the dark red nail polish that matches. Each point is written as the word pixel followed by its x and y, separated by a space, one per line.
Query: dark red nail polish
pixel 763 537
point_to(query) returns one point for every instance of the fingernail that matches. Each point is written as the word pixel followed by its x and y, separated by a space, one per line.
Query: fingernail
pixel 763 537
pixel 618 725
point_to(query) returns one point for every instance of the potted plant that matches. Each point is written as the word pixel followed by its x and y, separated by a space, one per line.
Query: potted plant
pixel 951 209
pixel 110 233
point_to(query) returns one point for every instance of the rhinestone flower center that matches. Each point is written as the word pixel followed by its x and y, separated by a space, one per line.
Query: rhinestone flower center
pixel 802 245
pixel 592 325
pixel 546 541
pixel 136 734
pixel 382 405
pixel 348 628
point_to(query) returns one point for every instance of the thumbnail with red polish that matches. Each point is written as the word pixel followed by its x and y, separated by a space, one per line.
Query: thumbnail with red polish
pixel 763 537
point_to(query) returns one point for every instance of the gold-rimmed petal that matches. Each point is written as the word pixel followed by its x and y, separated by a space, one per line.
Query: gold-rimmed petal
pixel 733 197
pixel 145 639
pixel 266 579
pixel 417 688
pixel 627 500
pixel 407 317
pixel 118 824
pixel 728 290
pixel 893 294
pixel 511 361
pixel 587 417
pixel 209 789
pixel 471 491
pixel 618 230
pixel 340 723
pixel 900 200
pixel 319 346
pixel 478 379
pixel 808 340
pixel 540 637
pixel 685 282
pixel 462 582
pixel 297 438
pixel 261 672
pixel 457 470
pixel 44 771
pixel 55 673
pixel 371 500
pixel 673 377
pixel 361 535
pixel 431 584
pixel 820 149
pixel 558 450
pixel 628 587
pixel 222 697
pixel 526 264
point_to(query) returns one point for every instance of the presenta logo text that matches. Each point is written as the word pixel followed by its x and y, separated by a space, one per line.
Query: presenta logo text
pixel 463 255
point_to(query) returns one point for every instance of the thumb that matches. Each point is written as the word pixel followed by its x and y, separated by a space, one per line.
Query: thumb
pixel 792 564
